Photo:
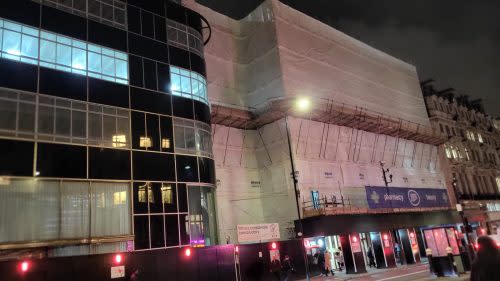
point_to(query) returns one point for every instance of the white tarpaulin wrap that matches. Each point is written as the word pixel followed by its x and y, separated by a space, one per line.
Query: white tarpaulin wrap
pixel 258 232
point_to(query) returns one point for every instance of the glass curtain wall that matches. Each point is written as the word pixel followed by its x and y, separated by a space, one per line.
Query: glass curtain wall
pixel 202 219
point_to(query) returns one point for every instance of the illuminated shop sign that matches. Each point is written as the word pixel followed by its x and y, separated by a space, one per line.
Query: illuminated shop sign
pixel 401 197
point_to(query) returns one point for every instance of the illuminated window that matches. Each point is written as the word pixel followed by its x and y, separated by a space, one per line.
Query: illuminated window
pixel 166 194
pixel 141 194
pixel 165 143
pixel 498 183
pixel 119 141
pixel 467 154
pixel 145 142
pixel 454 152
pixel 479 138
pixel 34 46
pixel 448 151
pixel 151 198
pixel 120 198
pixel 188 84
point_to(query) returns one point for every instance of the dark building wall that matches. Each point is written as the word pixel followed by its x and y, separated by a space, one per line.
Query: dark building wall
pixel 143 107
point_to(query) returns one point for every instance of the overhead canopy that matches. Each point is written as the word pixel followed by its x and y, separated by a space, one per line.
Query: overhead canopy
pixel 331 225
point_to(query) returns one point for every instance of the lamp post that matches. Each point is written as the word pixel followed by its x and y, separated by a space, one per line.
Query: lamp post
pixel 303 105
pixel 384 174
pixel 465 221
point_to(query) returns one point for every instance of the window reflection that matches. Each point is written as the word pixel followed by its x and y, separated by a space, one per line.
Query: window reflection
pixel 201 220
pixel 192 137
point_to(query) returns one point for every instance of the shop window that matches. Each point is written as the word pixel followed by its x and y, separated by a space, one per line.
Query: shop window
pixel 33 46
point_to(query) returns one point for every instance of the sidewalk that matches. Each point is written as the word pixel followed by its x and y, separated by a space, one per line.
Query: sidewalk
pixel 418 272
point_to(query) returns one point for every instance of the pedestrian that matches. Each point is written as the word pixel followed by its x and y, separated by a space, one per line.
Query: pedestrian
pixel 276 268
pixel 487 263
pixel 135 276
pixel 339 258
pixel 328 263
pixel 287 268
pixel 319 259
pixel 371 258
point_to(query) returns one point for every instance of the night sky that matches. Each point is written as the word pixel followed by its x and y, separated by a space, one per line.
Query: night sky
pixel 457 43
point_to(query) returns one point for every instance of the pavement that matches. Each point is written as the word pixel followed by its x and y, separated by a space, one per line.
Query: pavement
pixel 404 273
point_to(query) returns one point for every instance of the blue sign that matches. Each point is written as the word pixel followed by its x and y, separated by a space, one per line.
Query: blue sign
pixel 402 197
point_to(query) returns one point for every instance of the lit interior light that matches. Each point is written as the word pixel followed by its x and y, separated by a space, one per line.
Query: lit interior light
pixel 303 104
pixel 37 173
pixel 187 167
pixel 119 140
pixel 321 243
pixel 386 237
pixel 14 52
pixel 354 239
pixel 165 143
pixel 412 234
pixel 78 66
pixel 145 142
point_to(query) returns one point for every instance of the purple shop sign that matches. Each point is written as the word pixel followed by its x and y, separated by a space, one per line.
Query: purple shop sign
pixel 403 197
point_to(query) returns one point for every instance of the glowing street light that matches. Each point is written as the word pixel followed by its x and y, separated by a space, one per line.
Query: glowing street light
pixel 303 104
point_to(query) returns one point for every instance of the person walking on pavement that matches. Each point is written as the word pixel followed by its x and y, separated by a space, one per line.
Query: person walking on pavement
pixel 275 268
pixel 320 257
pixel 486 266
pixel 339 258
pixel 287 268
pixel 371 258
pixel 328 263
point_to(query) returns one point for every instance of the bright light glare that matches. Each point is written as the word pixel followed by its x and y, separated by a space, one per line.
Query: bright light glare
pixel 188 252
pixel 14 52
pixel 25 266
pixel 320 242
pixel 303 104
pixel 118 258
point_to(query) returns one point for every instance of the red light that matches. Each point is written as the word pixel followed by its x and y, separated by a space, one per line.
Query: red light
pixel 412 235
pixel 483 231
pixel 273 245
pixel 477 246
pixel 188 252
pixel 25 266
pixel 386 237
pixel 354 239
pixel 118 258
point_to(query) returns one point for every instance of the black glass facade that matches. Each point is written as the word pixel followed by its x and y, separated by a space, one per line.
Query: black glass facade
pixel 90 110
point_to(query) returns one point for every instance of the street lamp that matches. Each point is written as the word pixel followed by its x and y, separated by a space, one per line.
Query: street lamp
pixel 303 105
pixel 465 221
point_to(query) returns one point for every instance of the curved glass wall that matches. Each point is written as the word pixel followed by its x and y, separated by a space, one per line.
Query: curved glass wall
pixel 192 137
pixel 201 221
pixel 34 46
pixel 188 84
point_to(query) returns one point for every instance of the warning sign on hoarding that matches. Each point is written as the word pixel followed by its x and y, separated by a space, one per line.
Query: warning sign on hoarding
pixel 117 272
pixel 258 232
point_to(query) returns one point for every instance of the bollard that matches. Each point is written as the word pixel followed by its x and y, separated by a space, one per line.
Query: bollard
pixel 428 253
pixel 449 251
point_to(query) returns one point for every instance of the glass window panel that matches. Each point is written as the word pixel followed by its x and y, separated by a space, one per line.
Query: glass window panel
pixel 7 115
pixel 78 124
pixel 79 44
pixel 185 84
pixel 95 48
pixel 47 51
pixel 174 70
pixel 94 62
pixel 30 31
pixel 108 65
pixel 12 26
pixel 48 35
pixel 184 72
pixel 12 42
pixel 121 69
pixel 29 46
pixel 79 59
pixel 74 209
pixel 108 52
pixel 175 82
pixel 109 128
pixel 63 122
pixel 110 209
pixel 63 40
pixel 179 137
pixel 63 55
pixel 45 120
pixel 26 117
pixel 190 138
pixel 95 126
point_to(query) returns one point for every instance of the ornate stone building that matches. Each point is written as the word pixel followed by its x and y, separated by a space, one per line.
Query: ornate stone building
pixel 470 157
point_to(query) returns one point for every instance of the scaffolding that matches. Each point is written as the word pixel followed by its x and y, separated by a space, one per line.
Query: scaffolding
pixel 329 112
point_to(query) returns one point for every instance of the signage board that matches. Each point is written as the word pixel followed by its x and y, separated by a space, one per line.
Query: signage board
pixel 402 197
pixel 258 232
pixel 117 272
